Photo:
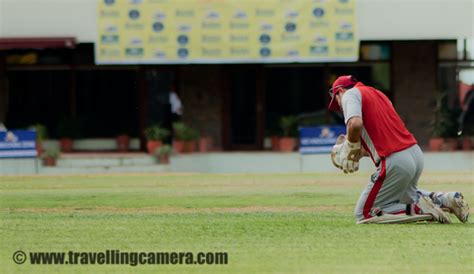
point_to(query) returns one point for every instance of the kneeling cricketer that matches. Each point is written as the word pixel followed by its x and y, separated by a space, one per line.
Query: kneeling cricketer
pixel 374 129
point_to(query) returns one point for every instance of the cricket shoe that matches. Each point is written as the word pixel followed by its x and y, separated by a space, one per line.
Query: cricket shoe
pixel 454 201
pixel 428 207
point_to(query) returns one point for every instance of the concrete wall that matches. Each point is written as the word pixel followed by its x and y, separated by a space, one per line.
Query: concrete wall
pixel 268 162
pixel 234 162
pixel 414 71
pixel 19 166
pixel 377 20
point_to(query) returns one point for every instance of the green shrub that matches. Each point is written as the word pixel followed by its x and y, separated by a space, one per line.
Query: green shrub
pixel 164 150
pixel 184 133
pixel 289 126
pixel 41 131
pixel 51 153
pixel 156 132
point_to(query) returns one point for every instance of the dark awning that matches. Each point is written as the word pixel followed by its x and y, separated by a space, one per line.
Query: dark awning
pixel 37 43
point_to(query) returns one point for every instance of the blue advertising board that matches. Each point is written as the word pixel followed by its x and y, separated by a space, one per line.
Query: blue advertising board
pixel 18 144
pixel 319 139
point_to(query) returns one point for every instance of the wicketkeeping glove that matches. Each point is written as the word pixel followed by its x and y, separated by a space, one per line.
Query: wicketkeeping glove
pixel 346 155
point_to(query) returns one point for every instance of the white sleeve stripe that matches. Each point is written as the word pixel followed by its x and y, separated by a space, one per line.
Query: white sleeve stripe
pixel 352 104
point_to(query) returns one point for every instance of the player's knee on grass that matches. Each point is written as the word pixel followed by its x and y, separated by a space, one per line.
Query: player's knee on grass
pixel 358 213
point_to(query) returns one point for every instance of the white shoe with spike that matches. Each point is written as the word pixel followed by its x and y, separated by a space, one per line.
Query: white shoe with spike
pixel 428 207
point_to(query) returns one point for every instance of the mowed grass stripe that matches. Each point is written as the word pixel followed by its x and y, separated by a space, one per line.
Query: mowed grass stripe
pixel 292 223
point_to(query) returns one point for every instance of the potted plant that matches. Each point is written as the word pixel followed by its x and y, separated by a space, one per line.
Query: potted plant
pixel 274 134
pixel 205 144
pixel 49 157
pixel 163 154
pixel 41 135
pixel 184 138
pixel 155 134
pixel 289 127
pixel 68 130
pixel 123 142
pixel 466 143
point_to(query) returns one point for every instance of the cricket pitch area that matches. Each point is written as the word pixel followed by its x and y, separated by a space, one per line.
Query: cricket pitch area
pixel 290 223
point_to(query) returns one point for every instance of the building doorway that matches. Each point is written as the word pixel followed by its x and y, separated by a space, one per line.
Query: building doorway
pixel 243 109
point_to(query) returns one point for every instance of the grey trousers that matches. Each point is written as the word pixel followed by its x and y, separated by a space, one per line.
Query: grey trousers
pixel 393 185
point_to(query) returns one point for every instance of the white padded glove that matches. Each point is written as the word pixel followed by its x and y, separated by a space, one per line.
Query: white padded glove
pixel 346 155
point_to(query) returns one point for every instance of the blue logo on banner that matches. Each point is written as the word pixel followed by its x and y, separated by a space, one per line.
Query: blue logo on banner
pixel 158 26
pixel 18 144
pixel 109 2
pixel 134 14
pixel 319 139
pixel 183 53
pixel 318 12
pixel 265 38
pixel 265 52
pixel 183 39
pixel 290 27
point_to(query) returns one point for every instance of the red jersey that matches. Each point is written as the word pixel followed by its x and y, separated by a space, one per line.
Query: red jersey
pixel 384 132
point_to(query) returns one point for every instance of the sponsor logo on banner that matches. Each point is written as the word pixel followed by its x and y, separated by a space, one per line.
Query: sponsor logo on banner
pixel 110 53
pixel 136 41
pixel 292 14
pixel 213 15
pixel 134 14
pixel 290 27
pixel 211 52
pixel 266 27
pixel 182 39
pixel 10 137
pixel 265 52
pixel 319 139
pixel 221 31
pixel 239 51
pixel 265 38
pixel 261 12
pixel 345 26
pixel 160 15
pixel 344 36
pixel 211 38
pixel 18 144
pixel 109 14
pixel 240 14
pixel 184 28
pixel 109 2
pixel 184 13
pixel 134 52
pixel 318 12
pixel 239 25
pixel 158 26
pixel 110 39
pixel 319 50
pixel 111 28
pixel 343 11
pixel 292 53
pixel 239 38
pixel 160 54
pixel 183 53
pixel 320 39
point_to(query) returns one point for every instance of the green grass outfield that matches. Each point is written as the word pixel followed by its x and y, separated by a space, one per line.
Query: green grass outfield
pixel 267 223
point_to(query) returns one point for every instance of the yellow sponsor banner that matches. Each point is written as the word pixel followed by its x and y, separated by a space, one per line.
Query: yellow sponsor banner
pixel 225 31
